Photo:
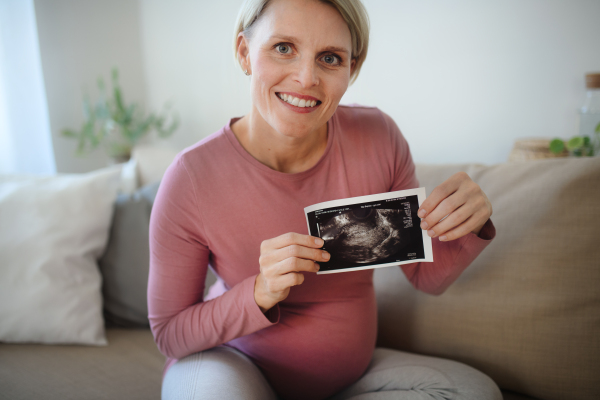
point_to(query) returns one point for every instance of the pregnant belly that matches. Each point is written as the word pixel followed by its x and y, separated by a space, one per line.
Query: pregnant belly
pixel 316 349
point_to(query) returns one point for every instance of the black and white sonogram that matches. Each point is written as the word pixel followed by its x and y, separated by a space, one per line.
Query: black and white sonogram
pixel 370 231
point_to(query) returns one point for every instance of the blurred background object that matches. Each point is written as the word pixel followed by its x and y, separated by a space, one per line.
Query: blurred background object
pixel 152 162
pixel 533 149
pixel 468 76
pixel 589 113
pixel 117 126
pixel 587 142
pixel 25 139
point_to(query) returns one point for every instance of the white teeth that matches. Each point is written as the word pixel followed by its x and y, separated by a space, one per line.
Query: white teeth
pixel 296 101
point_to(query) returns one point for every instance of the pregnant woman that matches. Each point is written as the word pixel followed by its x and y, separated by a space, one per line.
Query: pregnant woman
pixel 270 327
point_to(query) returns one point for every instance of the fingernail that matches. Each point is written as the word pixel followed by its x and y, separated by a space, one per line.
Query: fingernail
pixel 431 233
pixel 422 213
pixel 424 225
pixel 442 238
pixel 326 255
pixel 318 266
pixel 319 241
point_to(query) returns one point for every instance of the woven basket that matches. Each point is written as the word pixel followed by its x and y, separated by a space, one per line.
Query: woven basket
pixel 533 149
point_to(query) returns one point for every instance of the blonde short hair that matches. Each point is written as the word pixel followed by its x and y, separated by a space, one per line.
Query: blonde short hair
pixel 353 12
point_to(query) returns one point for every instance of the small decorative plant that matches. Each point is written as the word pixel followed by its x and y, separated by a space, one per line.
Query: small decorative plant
pixel 578 146
pixel 115 125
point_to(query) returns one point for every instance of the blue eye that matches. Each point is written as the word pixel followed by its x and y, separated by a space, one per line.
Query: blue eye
pixel 283 48
pixel 331 59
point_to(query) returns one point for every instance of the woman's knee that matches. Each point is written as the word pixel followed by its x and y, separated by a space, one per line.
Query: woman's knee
pixel 442 377
pixel 398 375
pixel 218 373
pixel 471 383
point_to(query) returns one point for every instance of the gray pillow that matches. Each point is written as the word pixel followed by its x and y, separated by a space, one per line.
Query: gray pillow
pixel 124 265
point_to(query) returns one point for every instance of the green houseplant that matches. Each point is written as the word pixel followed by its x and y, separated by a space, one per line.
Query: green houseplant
pixel 578 146
pixel 112 123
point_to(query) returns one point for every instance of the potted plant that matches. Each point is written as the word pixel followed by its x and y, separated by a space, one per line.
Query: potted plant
pixel 116 126
pixel 578 146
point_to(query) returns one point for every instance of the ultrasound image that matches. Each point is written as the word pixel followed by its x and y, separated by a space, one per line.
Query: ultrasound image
pixel 364 235
pixel 368 234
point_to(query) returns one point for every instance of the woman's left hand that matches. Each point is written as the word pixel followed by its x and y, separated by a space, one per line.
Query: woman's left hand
pixel 455 208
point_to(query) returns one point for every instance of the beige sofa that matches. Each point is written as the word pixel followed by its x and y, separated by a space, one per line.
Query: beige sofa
pixel 526 312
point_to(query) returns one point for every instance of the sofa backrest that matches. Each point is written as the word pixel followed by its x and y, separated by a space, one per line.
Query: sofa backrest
pixel 527 311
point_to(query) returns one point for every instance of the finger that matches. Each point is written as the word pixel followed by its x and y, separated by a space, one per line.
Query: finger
pixel 441 192
pixel 445 208
pixel 289 239
pixel 292 279
pixel 454 219
pixel 294 264
pixel 462 229
pixel 295 251
pixel 283 282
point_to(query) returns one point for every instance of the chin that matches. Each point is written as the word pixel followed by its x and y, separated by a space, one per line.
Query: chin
pixel 298 125
pixel 294 129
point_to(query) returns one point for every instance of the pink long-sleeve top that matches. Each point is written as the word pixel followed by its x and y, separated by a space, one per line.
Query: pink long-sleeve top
pixel 215 206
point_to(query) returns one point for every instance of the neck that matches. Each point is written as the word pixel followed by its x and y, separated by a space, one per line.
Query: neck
pixel 283 153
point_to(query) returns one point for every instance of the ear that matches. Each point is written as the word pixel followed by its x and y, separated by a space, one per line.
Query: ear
pixel 352 65
pixel 243 52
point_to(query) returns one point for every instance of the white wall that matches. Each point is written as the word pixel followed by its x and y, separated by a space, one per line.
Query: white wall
pixel 81 40
pixel 462 79
pixel 188 57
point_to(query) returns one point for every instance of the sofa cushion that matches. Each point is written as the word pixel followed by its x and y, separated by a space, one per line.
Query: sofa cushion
pixel 527 311
pixel 125 263
pixel 130 367
pixel 152 162
pixel 53 229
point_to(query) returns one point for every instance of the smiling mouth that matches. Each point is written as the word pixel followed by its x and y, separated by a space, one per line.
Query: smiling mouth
pixel 298 102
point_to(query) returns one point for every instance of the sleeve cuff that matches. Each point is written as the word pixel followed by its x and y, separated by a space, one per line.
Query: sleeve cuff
pixel 272 314
pixel 271 317
pixel 488 231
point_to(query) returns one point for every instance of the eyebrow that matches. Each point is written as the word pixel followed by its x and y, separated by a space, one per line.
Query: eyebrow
pixel 295 40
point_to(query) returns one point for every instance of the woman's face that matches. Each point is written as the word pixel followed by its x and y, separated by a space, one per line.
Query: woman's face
pixel 299 55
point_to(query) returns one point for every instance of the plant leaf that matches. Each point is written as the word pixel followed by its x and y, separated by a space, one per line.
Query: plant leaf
pixel 557 146
pixel 68 133
pixel 101 84
pixel 119 101
pixel 586 141
pixel 574 143
pixel 110 122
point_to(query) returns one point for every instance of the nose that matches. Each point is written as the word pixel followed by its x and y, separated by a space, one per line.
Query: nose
pixel 307 74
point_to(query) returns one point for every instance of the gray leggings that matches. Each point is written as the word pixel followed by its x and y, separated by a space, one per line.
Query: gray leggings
pixel 225 373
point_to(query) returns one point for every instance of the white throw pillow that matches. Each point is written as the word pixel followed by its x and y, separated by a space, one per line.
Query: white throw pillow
pixel 52 231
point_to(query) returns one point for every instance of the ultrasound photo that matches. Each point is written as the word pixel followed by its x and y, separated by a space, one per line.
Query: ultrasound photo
pixel 370 231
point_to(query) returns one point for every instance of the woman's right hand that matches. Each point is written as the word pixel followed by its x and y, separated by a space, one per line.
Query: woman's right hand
pixel 282 261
